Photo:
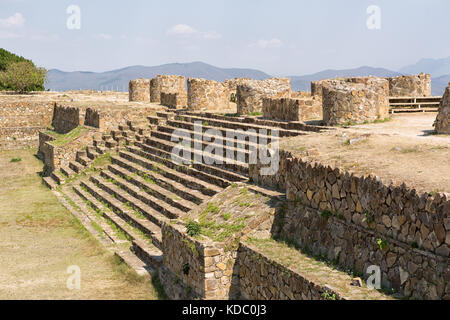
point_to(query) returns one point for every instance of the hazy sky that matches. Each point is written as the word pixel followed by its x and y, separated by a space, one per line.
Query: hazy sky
pixel 282 37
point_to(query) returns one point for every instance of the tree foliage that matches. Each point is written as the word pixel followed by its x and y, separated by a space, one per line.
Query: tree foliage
pixel 19 74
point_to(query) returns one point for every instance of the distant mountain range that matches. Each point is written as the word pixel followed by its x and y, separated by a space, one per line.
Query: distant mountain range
pixel 435 67
pixel 119 79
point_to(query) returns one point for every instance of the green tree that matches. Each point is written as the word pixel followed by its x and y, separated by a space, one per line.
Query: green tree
pixel 23 77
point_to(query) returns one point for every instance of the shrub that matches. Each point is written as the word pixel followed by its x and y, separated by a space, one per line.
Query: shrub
pixel 193 228
pixel 22 77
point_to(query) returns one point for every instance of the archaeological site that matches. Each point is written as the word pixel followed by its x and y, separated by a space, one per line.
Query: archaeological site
pixel 247 189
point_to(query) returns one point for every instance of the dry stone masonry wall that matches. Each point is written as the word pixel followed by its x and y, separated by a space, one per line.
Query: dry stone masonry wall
pixel 355 100
pixel 65 119
pixel 286 109
pixel 251 93
pixel 360 221
pixel 139 90
pixel 442 123
pixel 410 86
pixel 208 95
pixel 167 84
pixel 174 100
pixel 203 269
pixel 20 122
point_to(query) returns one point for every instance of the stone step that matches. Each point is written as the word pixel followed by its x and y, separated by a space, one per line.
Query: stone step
pixel 216 123
pixel 156 120
pixel 111 144
pixel 288 125
pixel 106 137
pixel 76 166
pixel 68 172
pixel 92 153
pixel 231 143
pixel 255 136
pixel 154 202
pixel 151 225
pixel 161 157
pixel 165 115
pixel 84 160
pixel 92 212
pixel 58 177
pixel 179 189
pixel 191 182
pixel 49 182
pixel 101 149
pixel 147 251
pixel 99 143
pixel 232 171
pixel 153 188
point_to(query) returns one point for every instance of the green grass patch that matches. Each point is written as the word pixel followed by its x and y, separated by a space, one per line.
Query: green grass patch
pixel 13 160
pixel 63 139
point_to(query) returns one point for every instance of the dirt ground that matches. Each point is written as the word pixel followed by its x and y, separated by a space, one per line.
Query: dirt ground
pixel 40 239
pixel 404 149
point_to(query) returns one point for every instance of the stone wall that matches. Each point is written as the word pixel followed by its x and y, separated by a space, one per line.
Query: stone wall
pixel 360 221
pixel 167 84
pixel 442 123
pixel 410 86
pixel 261 278
pixel 20 122
pixel 286 109
pixel 194 268
pixel 96 121
pixel 174 100
pixel 316 88
pixel 207 95
pixel 355 100
pixel 65 119
pixel 139 90
pixel 56 156
pixel 250 94
pixel 233 84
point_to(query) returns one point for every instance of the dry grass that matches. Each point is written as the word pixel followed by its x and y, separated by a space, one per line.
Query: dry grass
pixel 40 239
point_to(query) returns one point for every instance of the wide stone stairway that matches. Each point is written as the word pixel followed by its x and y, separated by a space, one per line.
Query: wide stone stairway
pixel 128 182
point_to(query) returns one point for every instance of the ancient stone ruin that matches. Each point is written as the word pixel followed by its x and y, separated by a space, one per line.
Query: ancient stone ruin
pixel 250 94
pixel 139 90
pixel 207 95
pixel 174 100
pixel 166 84
pixel 160 202
pixel 410 86
pixel 442 123
pixel 355 100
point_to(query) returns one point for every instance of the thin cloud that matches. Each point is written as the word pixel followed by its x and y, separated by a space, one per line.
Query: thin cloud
pixel 266 44
pixel 103 36
pixel 181 29
pixel 15 21
pixel 185 30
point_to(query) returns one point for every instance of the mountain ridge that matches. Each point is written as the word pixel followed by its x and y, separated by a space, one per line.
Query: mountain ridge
pixel 118 79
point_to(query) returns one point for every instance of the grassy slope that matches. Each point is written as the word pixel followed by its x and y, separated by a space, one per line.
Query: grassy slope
pixel 39 239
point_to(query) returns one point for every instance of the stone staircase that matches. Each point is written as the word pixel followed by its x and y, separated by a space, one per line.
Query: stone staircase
pixel 143 185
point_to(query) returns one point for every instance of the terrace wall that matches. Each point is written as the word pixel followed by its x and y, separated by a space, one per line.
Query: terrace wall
pixel 207 95
pixel 251 93
pixel 167 84
pixel 360 221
